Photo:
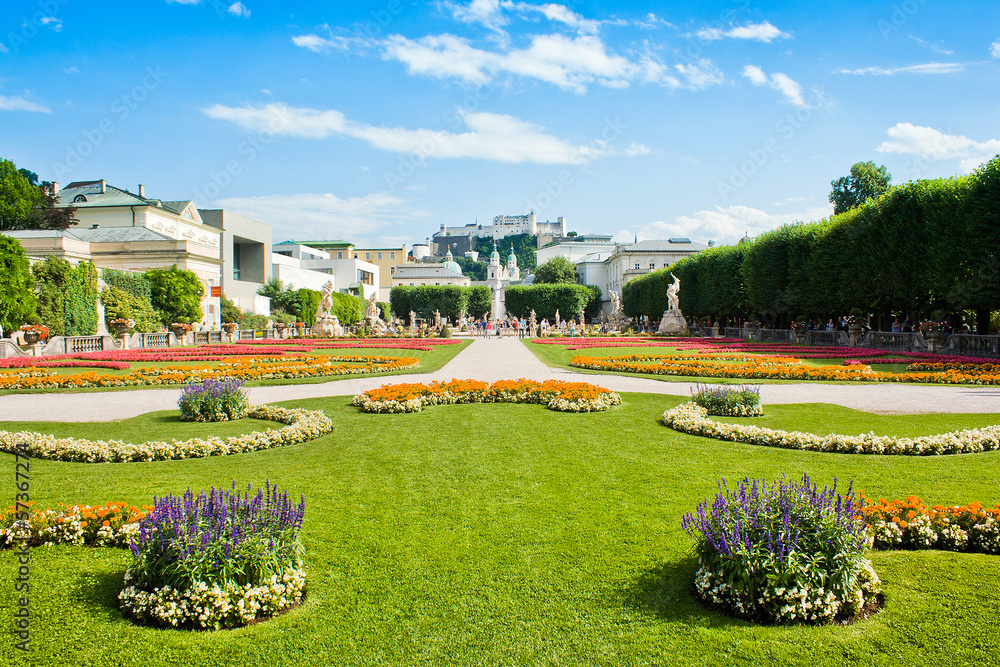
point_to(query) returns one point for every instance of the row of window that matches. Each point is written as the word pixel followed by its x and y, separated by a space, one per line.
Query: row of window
pixel 368 255
pixel 652 265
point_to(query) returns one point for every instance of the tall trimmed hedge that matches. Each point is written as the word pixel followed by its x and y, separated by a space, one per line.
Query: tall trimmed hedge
pixel 450 300
pixel 17 294
pixel 546 299
pixel 127 281
pixel 923 246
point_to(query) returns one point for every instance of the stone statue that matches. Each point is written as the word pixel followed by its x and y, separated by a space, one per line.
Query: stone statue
pixel 437 319
pixel 533 322
pixel 557 318
pixel 371 312
pixel 413 320
pixel 673 298
pixel 673 322
pixel 325 319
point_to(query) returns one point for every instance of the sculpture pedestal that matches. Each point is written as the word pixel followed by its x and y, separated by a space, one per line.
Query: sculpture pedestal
pixel 673 323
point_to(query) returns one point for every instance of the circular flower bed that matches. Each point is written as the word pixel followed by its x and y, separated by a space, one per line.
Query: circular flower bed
pixel 782 553
pixel 302 426
pixel 219 559
pixel 214 401
pixel 693 419
pixel 559 396
pixel 726 401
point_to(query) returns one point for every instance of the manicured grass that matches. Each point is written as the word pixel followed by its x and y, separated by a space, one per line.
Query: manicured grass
pixel 514 535
pixel 429 362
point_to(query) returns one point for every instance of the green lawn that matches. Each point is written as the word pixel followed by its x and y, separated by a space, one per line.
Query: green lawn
pixel 429 362
pixel 514 535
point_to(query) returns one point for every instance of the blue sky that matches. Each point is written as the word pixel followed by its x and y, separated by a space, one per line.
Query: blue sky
pixel 378 122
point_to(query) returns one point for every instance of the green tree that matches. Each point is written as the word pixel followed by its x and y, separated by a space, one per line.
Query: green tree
pixel 119 303
pixel 283 299
pixel 523 245
pixel 228 312
pixel 176 294
pixel 17 294
pixel 18 197
pixel 865 182
pixel 557 270
pixel 48 215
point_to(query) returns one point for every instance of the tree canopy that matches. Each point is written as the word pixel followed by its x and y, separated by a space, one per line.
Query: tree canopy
pixel 17 287
pixel 27 204
pixel 557 270
pixel 866 181
pixel 176 294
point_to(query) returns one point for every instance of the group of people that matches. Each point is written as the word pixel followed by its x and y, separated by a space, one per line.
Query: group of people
pixel 511 326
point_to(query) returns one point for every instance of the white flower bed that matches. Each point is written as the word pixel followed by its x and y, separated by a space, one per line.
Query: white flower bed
pixel 302 426
pixel 692 419
pixel 206 606
pixel 788 605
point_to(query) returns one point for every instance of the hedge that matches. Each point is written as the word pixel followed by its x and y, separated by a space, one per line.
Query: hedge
pixel 546 299
pixel 450 300
pixel 67 296
pixel 135 284
pixel 923 246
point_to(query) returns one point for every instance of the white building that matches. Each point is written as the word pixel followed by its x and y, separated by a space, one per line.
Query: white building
pixel 463 239
pixel 631 260
pixel 129 231
pixel 576 248
pixel 446 273
pixel 298 265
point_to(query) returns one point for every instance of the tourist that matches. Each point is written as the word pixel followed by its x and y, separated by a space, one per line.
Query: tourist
pixel 572 328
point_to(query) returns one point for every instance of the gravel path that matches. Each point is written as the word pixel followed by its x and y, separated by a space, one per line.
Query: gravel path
pixel 500 359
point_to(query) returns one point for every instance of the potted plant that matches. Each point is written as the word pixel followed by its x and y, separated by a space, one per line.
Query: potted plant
pixel 933 330
pixel 34 333
pixel 122 325
pixel 180 329
pixel 799 328
pixel 230 327
pixel 855 326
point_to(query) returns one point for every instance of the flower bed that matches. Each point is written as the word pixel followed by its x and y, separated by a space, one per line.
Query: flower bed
pixel 219 559
pixel 302 426
pixel 734 365
pixel 247 369
pixel 782 553
pixel 559 396
pixel 60 361
pixel 109 525
pixel 723 401
pixel 910 524
pixel 693 419
pixel 214 401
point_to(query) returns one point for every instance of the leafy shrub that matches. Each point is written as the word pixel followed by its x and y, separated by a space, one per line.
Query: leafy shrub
pixel 176 294
pixel 248 321
pixel 214 401
pixel 229 313
pixel 445 332
pixel 120 304
pixel 218 558
pixel 723 401
pixel 783 553
pixel 128 281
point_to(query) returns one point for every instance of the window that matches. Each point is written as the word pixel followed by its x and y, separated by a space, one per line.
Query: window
pixel 340 255
pixel 392 255
pixel 637 266
pixel 652 265
pixel 380 255
pixel 368 255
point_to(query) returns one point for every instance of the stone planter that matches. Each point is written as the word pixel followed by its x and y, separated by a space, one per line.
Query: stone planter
pixel 800 336
pixel 179 333
pixel 935 340
pixel 31 337
pixel 855 333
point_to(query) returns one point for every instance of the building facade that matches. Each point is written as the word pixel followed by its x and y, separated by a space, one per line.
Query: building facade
pixel 385 259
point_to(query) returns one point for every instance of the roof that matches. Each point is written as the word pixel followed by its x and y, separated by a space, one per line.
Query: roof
pixel 671 245
pixel 119 235
pixel 320 245
pixel 425 271
pixel 87 194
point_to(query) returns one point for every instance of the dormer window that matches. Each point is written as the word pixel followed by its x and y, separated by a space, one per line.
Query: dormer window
pixel 79 199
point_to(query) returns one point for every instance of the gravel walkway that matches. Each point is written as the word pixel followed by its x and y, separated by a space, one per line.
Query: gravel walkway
pixel 500 359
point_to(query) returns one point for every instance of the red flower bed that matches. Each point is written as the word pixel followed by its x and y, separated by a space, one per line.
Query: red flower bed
pixel 60 361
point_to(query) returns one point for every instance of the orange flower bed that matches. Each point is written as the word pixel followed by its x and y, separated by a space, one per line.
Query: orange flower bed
pixel 777 368
pixel 561 396
pixel 111 524
pixel 245 368
pixel 910 523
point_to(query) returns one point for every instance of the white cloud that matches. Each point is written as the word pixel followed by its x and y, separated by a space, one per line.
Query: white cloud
pixel 571 63
pixel 722 225
pixel 318 44
pixel 72 70
pixel 923 68
pixel 558 13
pixel 778 81
pixel 239 9
pixel 490 136
pixel 652 21
pixel 52 22
pixel 185 2
pixel 3 48
pixel 308 216
pixel 484 12
pixel 21 104
pixel 760 32
pixel 931 144
pixel 935 47
pixel 995 49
